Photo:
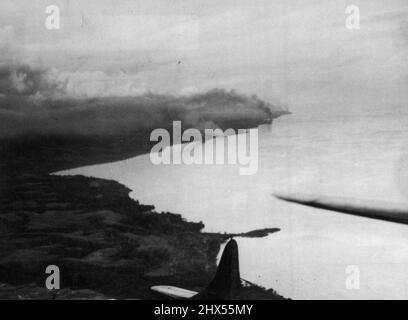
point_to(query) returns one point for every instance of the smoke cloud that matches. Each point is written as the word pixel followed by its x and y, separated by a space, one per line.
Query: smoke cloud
pixel 38 101
pixel 35 100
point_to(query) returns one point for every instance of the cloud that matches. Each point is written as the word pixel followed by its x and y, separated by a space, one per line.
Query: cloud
pixel 26 80
pixel 26 115
pixel 36 101
pixel 6 37
pixel 404 31
pixel 23 79
pixel 8 48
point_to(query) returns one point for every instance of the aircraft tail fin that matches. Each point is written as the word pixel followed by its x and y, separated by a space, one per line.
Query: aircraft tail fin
pixel 227 281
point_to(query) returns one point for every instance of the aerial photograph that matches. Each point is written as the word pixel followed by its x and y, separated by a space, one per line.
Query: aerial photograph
pixel 181 150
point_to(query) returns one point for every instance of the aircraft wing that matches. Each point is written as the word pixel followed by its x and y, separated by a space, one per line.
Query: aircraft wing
pixel 174 292
pixel 371 209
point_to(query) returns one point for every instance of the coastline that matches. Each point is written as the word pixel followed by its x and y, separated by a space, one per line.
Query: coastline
pixel 101 239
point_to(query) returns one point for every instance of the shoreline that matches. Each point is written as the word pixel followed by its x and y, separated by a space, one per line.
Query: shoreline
pixel 101 239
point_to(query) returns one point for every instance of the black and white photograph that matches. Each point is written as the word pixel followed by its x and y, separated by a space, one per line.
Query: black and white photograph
pixel 173 150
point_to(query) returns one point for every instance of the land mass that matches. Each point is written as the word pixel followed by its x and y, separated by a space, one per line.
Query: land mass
pixel 105 243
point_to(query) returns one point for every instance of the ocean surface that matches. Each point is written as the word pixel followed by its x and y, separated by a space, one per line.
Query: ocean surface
pixel 363 157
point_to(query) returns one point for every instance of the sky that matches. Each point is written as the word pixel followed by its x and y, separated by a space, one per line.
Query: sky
pixel 296 53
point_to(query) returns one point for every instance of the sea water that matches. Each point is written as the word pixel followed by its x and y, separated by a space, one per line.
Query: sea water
pixel 363 157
